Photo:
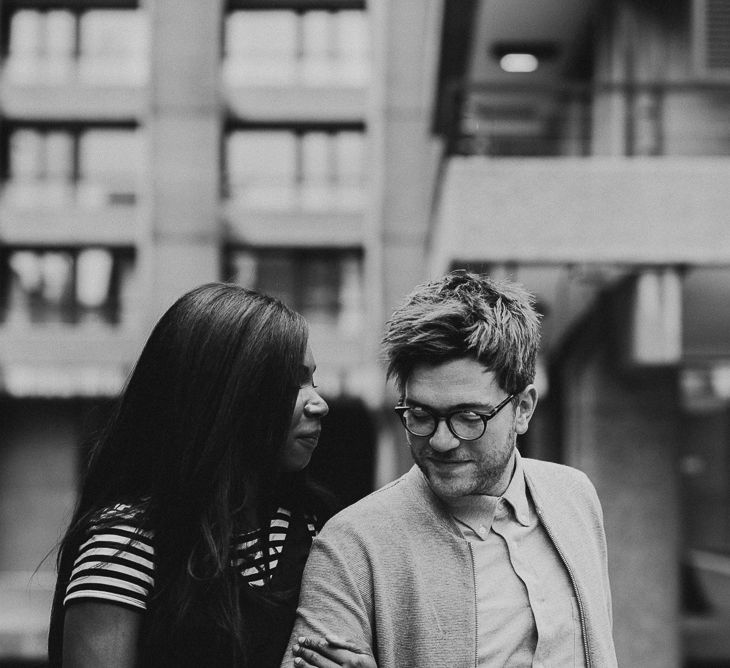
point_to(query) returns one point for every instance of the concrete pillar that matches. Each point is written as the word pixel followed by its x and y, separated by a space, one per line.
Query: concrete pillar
pixel 621 427
pixel 406 41
pixel 184 127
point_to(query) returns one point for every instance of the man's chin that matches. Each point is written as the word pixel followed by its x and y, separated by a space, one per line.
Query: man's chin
pixel 453 482
pixel 449 482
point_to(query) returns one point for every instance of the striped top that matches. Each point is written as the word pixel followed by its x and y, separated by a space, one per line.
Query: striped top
pixel 116 563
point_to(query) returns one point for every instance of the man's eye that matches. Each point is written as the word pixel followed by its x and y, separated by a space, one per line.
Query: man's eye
pixel 468 416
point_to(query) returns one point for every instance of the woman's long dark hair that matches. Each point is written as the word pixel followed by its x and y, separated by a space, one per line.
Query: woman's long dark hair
pixel 195 445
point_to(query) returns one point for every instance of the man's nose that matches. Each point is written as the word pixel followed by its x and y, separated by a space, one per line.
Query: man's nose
pixel 442 439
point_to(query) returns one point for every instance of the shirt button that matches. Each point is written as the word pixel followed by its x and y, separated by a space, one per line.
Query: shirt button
pixel 482 530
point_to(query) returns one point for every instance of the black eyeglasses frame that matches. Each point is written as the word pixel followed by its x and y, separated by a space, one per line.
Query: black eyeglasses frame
pixel 438 417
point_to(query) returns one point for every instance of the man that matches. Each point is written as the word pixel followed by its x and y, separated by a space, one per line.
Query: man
pixel 476 556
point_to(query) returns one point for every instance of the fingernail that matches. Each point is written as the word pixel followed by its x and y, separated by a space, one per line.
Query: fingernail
pixel 301 639
pixel 295 648
pixel 298 661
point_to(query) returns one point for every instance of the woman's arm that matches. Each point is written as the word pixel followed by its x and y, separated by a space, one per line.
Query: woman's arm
pixel 100 634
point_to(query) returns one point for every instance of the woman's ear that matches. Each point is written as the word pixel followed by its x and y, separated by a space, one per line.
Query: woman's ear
pixel 526 403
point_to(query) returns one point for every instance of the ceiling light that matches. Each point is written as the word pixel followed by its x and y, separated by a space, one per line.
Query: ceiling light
pixel 523 56
pixel 519 62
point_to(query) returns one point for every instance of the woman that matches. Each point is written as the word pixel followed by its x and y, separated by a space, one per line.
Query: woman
pixel 195 519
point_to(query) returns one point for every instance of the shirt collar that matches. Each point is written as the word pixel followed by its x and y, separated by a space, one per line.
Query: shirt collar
pixel 479 510
pixel 516 493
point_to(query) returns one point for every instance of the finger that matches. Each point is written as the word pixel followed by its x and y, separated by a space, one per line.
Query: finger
pixel 337 641
pixel 326 655
pixel 301 663
pixel 305 657
pixel 319 645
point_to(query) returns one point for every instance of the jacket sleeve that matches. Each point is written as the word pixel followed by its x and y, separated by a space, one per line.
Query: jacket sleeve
pixel 336 594
pixel 603 548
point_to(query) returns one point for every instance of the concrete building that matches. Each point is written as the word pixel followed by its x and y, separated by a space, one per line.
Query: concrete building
pixel 586 155
pixel 336 154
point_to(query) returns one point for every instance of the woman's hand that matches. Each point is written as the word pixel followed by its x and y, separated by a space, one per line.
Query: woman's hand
pixel 331 652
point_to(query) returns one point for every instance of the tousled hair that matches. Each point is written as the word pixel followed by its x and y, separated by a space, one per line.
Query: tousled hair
pixel 195 444
pixel 465 315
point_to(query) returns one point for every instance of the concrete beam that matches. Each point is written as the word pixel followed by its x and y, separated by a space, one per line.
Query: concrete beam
pixel 573 210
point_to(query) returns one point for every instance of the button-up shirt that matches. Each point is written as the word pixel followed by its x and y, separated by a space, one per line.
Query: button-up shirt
pixel 527 614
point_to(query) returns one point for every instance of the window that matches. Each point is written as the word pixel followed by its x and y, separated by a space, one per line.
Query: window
pixel 325 286
pixel 113 47
pixel 286 47
pixel 110 163
pixel 92 167
pixel 64 285
pixel 287 169
pixel 98 46
pixel 711 38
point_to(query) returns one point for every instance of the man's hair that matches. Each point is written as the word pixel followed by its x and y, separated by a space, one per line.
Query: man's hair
pixel 465 315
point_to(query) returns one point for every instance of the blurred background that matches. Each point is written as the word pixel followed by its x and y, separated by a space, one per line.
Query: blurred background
pixel 335 153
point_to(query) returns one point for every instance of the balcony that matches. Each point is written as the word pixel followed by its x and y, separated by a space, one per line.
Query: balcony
pixel 73 101
pixel 75 63
pixel 608 173
pixel 296 103
pixel 670 210
pixel 293 228
pixel 70 320
pixel 571 189
pixel 677 118
pixel 69 225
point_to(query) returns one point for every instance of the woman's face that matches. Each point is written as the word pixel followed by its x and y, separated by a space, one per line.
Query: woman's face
pixel 305 422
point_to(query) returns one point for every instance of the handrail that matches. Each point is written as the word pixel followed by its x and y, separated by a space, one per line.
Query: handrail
pixel 497 118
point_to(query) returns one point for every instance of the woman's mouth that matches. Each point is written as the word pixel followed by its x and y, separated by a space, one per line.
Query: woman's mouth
pixel 309 439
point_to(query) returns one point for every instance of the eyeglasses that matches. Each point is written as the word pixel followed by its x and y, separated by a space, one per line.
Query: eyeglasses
pixel 465 425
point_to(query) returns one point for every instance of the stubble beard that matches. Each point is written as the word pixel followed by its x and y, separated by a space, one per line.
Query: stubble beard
pixel 488 475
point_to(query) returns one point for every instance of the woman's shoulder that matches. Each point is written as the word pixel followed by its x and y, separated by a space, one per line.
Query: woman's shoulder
pixel 124 524
pixel 115 561
pixel 132 514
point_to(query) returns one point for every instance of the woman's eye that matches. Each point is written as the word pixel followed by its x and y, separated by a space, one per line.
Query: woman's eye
pixel 308 382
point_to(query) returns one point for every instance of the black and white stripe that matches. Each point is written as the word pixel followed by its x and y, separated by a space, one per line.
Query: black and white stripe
pixel 249 557
pixel 117 562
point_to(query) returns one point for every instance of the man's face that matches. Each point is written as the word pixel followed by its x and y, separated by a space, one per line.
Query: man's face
pixel 452 466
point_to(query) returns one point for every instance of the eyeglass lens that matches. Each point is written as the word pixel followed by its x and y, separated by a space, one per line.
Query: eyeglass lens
pixel 464 424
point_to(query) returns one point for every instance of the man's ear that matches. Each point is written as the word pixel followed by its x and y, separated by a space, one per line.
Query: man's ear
pixel 526 404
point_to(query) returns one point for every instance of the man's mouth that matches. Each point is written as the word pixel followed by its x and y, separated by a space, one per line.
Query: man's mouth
pixel 448 462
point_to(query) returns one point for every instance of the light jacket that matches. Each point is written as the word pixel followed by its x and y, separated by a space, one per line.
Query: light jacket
pixel 393 572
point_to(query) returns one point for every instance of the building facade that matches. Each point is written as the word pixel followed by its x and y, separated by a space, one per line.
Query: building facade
pixel 148 147
pixel 335 154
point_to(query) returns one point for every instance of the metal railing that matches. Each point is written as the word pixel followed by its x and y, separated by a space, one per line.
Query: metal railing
pixel 612 118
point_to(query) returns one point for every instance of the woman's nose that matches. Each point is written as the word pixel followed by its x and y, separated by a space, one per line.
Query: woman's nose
pixel 315 405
